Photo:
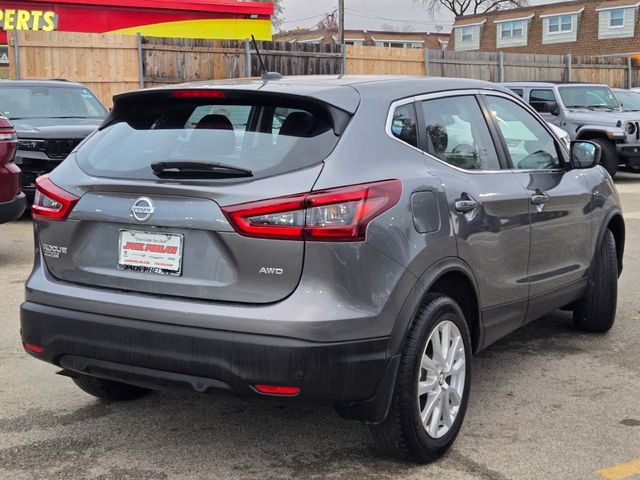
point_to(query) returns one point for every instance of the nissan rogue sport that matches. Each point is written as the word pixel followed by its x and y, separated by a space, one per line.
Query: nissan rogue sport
pixel 345 241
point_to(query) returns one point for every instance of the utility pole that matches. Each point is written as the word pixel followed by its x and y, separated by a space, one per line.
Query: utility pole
pixel 341 13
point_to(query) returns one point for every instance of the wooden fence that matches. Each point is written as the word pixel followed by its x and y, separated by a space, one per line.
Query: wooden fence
pixel 493 66
pixel 110 64
pixel 107 64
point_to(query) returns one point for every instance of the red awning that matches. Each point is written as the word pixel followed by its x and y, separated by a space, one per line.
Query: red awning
pixel 211 6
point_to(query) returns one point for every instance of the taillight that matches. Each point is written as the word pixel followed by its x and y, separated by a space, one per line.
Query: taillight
pixel 335 215
pixel 51 203
pixel 8 142
pixel 8 134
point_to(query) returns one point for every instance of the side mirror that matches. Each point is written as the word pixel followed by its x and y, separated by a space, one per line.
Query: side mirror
pixel 585 154
pixel 554 109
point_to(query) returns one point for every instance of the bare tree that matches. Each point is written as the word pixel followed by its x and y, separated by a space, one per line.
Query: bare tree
pixel 278 11
pixel 330 22
pixel 406 27
pixel 470 7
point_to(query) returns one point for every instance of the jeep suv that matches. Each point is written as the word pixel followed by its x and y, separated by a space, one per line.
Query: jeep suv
pixel 588 112
pixel 51 119
pixel 347 241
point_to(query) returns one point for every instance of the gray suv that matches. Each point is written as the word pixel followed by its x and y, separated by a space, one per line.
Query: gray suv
pixel 588 112
pixel 345 241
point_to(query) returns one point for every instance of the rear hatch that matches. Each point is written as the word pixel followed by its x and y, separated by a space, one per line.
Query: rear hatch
pixel 142 199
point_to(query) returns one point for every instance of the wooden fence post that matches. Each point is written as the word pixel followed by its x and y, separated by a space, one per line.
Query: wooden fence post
pixel 140 60
pixel 629 73
pixel 426 62
pixel 16 50
pixel 569 67
pixel 247 58
pixel 501 66
pixel 343 69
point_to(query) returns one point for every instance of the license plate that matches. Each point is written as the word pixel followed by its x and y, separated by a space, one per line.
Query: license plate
pixel 159 253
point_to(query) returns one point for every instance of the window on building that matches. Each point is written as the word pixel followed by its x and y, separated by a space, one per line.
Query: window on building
pixel 392 44
pixel 561 24
pixel 466 35
pixel 616 18
pixel 512 30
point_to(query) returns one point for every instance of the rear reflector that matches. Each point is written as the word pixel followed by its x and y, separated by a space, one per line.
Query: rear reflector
pixel 277 390
pixel 334 215
pixel 51 203
pixel 200 93
pixel 32 348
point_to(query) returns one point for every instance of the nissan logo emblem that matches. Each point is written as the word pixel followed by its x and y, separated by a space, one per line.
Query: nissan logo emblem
pixel 142 209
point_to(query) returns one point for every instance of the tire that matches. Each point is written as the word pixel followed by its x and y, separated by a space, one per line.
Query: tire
pixel 403 435
pixel 609 157
pixel 596 311
pixel 109 390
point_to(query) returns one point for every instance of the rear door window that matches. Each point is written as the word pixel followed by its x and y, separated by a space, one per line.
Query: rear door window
pixel 262 136
pixel 458 133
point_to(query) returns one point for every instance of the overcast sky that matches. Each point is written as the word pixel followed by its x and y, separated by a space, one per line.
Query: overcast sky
pixel 371 14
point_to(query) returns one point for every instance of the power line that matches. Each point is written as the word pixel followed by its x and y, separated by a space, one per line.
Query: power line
pixel 306 18
pixel 359 13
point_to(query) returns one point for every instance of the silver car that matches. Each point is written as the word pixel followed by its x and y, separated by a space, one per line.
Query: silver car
pixel 344 241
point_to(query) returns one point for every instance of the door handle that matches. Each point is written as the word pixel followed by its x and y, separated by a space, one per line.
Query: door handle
pixel 466 204
pixel 539 198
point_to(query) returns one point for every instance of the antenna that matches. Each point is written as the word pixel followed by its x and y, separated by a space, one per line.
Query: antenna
pixel 266 76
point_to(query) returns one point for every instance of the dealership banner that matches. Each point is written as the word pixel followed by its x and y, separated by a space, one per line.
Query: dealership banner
pixel 207 19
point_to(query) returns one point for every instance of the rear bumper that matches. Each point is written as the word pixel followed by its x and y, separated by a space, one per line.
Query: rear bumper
pixel 13 209
pixel 162 356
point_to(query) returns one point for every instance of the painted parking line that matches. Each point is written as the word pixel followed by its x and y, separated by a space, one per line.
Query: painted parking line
pixel 622 471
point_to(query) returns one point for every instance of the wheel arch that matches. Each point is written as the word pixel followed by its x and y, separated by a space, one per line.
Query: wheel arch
pixel 441 277
pixel 615 223
pixel 588 133
pixel 452 277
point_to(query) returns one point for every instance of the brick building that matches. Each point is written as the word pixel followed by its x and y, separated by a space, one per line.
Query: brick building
pixel 580 27
pixel 368 38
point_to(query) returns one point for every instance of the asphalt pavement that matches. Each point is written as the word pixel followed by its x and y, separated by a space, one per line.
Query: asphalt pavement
pixel 546 402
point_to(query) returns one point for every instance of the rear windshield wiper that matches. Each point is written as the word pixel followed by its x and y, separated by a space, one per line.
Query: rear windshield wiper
pixel 580 106
pixel 602 106
pixel 194 170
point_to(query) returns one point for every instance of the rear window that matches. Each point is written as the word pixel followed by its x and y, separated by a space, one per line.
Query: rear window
pixel 24 102
pixel 265 137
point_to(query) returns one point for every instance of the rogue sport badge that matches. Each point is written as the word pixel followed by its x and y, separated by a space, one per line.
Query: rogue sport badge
pixel 142 209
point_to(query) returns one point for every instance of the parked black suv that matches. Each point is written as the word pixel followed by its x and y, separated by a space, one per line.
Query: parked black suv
pixel 51 119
